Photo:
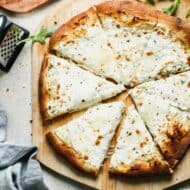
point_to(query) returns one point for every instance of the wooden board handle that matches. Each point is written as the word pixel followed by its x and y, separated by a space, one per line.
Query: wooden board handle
pixel 21 6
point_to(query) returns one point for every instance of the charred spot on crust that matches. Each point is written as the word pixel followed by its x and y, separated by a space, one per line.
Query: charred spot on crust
pixel 63 36
pixel 188 60
pixel 178 22
pixel 135 168
pixel 86 157
pixel 175 132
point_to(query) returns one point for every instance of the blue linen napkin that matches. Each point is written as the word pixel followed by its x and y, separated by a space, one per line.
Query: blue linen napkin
pixel 3 124
pixel 18 168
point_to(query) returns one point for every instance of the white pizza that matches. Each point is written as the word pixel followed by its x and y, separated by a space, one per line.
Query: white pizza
pixel 98 56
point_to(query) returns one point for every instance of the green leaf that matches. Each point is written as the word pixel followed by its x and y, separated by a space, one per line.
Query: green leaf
pixel 152 2
pixel 188 13
pixel 41 35
pixel 172 9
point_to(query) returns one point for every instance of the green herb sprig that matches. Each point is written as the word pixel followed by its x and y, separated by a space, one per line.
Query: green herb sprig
pixel 152 2
pixel 172 9
pixel 41 35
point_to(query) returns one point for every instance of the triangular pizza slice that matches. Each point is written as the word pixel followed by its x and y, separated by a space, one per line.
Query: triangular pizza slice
pixel 84 141
pixel 65 88
pixel 165 108
pixel 135 152
pixel 146 46
pixel 166 53
pixel 83 40
pixel 128 32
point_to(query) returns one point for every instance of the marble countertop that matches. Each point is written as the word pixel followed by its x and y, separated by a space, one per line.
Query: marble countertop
pixel 15 96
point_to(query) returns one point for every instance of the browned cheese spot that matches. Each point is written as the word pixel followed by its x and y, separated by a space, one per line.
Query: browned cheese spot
pixel 188 85
pixel 188 60
pixel 98 140
pixel 137 132
pixel 86 157
pixel 149 53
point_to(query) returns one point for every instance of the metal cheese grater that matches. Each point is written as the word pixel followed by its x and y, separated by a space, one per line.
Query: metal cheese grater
pixel 10 35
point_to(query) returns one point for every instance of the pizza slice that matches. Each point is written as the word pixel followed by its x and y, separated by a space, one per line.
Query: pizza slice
pixel 146 46
pixel 135 152
pixel 85 140
pixel 83 40
pixel 128 32
pixel 165 108
pixel 65 87
pixel 166 53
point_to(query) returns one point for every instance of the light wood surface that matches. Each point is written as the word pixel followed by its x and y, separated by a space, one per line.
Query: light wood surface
pixel 48 157
pixel 21 6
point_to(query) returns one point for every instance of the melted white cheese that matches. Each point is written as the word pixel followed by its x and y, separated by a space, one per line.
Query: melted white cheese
pixel 91 51
pixel 162 56
pixel 90 134
pixel 125 49
pixel 163 104
pixel 71 88
pixel 151 50
pixel 134 143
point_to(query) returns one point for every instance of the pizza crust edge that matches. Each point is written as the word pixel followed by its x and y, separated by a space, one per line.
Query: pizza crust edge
pixel 152 14
pixel 43 96
pixel 68 26
pixel 142 168
pixel 176 149
pixel 131 7
pixel 69 153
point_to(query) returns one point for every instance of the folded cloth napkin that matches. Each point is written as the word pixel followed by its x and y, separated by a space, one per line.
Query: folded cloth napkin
pixel 18 169
pixel 3 124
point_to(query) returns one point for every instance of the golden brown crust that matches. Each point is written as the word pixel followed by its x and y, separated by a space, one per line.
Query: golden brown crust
pixel 142 168
pixel 69 153
pixel 71 29
pixel 131 8
pixel 138 9
pixel 175 148
pixel 43 95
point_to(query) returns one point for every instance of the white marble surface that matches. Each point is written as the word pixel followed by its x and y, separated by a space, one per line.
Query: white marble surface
pixel 15 95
